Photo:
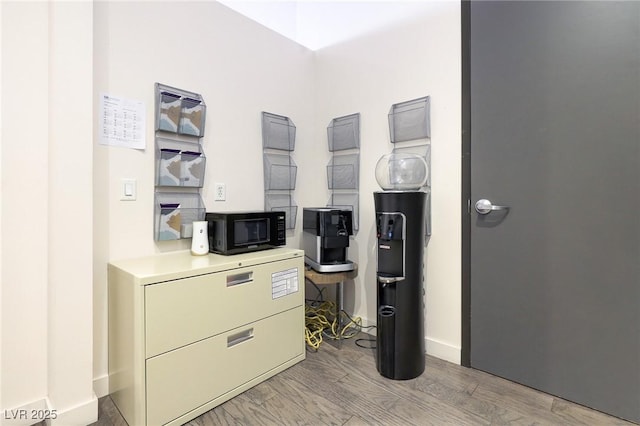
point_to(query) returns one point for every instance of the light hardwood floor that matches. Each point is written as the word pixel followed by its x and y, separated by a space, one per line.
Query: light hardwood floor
pixel 342 387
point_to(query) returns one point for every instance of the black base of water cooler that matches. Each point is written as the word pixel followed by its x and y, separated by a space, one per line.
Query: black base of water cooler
pixel 400 319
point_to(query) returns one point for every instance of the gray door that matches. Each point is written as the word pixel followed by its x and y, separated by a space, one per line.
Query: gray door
pixel 555 136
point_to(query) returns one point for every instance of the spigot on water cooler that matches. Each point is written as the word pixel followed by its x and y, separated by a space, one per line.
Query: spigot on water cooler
pixel 400 225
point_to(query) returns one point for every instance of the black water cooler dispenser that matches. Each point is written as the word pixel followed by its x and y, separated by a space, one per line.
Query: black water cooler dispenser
pixel 400 246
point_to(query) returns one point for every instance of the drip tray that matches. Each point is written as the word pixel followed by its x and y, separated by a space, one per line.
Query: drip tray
pixel 330 267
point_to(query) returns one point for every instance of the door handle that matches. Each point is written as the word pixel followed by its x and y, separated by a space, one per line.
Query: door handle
pixel 485 206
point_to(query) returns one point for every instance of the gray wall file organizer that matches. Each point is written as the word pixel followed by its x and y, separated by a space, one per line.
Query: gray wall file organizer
pixel 180 162
pixel 278 141
pixel 410 120
pixel 410 132
pixel 343 170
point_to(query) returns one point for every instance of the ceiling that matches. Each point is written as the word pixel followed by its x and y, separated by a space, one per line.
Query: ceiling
pixel 317 24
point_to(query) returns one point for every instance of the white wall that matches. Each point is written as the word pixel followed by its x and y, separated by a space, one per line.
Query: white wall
pixel 240 68
pixel 24 203
pixel 368 75
pixel 46 212
pixel 70 290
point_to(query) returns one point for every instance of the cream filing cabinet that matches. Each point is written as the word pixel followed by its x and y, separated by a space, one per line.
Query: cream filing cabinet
pixel 187 333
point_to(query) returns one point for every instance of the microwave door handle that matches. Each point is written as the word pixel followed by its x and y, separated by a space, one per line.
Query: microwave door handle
pixel 237 279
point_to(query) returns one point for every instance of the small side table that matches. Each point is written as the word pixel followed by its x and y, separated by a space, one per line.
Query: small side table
pixel 329 278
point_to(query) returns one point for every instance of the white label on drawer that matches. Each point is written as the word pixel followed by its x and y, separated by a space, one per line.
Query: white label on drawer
pixel 284 282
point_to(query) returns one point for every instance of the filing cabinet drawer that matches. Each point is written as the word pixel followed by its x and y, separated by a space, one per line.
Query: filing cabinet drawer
pixel 193 375
pixel 184 311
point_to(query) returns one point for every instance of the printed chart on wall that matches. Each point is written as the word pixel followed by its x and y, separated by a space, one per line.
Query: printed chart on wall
pixel 122 122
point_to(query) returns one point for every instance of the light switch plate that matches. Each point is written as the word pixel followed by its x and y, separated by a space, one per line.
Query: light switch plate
pixel 128 190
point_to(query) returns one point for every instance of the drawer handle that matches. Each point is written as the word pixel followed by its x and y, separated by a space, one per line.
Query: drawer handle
pixel 238 338
pixel 238 279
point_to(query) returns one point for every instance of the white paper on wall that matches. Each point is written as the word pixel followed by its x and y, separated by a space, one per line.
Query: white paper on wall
pixel 122 122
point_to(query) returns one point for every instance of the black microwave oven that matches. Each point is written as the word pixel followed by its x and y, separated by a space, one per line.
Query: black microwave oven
pixel 242 232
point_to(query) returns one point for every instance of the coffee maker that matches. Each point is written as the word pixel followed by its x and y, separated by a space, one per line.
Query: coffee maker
pixel 325 238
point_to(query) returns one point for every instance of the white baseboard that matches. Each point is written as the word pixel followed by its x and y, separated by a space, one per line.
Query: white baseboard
pixel 101 386
pixel 443 350
pixel 24 415
pixel 80 415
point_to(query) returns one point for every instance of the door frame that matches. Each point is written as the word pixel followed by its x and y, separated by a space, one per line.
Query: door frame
pixel 465 202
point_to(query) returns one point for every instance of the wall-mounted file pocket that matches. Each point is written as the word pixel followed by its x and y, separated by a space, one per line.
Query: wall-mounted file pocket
pixel 192 117
pixel 410 120
pixel 179 111
pixel 168 167
pixel 192 168
pixel 175 213
pixel 278 132
pixel 344 133
pixel 279 172
pixel 169 106
pixel 343 171
pixel 179 163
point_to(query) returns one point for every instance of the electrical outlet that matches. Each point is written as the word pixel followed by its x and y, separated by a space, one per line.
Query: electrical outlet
pixel 220 193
